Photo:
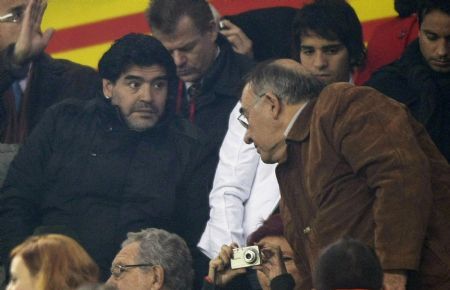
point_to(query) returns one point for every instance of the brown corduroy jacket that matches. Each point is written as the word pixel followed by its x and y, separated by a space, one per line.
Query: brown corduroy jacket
pixel 359 165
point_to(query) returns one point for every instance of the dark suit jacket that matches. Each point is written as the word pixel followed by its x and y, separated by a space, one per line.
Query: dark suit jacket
pixel 51 81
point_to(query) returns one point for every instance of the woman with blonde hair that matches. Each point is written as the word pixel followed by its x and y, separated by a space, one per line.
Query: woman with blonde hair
pixel 50 262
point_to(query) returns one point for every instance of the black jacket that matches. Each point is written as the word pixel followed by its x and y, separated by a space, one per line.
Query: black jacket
pixel 51 81
pixel 82 170
pixel 426 93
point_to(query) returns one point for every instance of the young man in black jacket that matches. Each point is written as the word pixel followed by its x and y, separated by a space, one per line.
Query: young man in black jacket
pixel 421 77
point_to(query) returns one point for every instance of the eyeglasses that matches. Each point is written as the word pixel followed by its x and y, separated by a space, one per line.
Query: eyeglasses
pixel 12 17
pixel 242 118
pixel 117 270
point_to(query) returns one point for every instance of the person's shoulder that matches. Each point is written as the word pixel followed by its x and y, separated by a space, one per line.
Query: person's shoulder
pixel 341 95
pixel 64 66
pixel 391 79
pixel 72 107
pixel 342 98
pixel 389 71
pixel 242 61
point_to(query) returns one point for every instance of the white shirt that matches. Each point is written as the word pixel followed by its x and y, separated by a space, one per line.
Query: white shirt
pixel 245 192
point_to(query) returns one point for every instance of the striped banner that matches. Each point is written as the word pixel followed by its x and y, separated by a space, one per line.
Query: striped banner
pixel 86 28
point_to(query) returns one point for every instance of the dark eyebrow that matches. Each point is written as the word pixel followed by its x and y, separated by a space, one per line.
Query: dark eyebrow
pixel 138 78
pixel 332 46
pixel 161 78
pixel 188 45
pixel 306 47
pixel 133 77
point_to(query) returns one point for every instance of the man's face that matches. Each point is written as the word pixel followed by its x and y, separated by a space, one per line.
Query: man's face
pixel 434 40
pixel 192 51
pixel 261 131
pixel 141 94
pixel 133 278
pixel 326 59
pixel 10 29
pixel 21 278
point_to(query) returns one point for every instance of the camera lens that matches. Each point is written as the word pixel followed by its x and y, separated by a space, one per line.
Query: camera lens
pixel 250 256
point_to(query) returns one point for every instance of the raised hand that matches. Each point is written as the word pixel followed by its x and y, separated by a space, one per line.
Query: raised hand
pixel 31 41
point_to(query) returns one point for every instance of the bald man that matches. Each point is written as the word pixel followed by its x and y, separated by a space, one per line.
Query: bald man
pixel 352 163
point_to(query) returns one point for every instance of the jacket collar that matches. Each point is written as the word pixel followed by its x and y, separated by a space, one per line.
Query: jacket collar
pixel 300 131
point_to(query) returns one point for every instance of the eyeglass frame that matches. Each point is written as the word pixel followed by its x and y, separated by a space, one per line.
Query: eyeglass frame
pixel 123 268
pixel 242 118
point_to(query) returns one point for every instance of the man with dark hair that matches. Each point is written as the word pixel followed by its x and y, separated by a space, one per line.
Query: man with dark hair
pixel 117 163
pixel 328 40
pixel 152 259
pixel 30 80
pixel 421 77
pixel 351 162
pixel 348 264
pixel 390 39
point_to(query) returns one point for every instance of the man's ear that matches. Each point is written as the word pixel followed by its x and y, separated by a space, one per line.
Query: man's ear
pixel 213 30
pixel 275 104
pixel 107 88
pixel 158 278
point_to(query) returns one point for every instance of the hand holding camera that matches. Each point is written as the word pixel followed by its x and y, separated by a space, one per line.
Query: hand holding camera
pixel 220 272
pixel 233 261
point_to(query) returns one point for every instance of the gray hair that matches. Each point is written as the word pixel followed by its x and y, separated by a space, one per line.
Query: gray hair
pixel 159 247
pixel 290 83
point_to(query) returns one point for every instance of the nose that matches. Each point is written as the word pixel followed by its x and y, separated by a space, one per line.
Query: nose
pixel 146 93
pixel 443 48
pixel 320 60
pixel 247 138
pixel 179 58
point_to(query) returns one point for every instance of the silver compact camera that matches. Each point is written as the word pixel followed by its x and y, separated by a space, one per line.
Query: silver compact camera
pixel 245 257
